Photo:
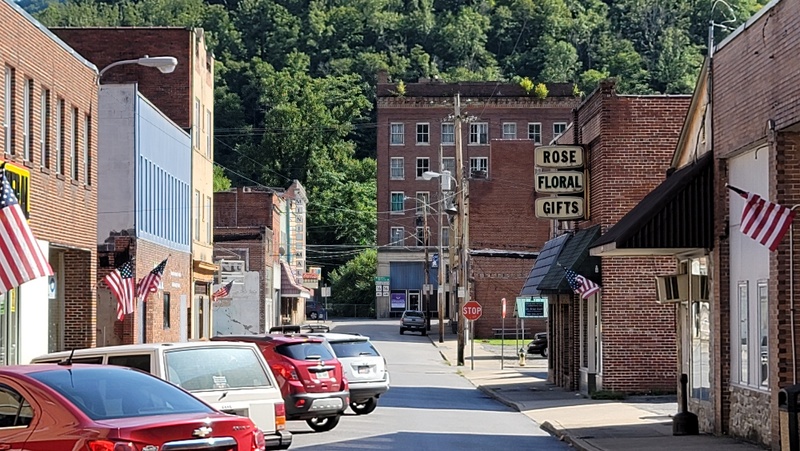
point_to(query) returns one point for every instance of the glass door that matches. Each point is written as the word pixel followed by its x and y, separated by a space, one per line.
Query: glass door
pixel 9 327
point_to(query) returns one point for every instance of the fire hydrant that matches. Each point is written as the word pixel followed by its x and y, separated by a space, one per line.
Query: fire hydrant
pixel 521 357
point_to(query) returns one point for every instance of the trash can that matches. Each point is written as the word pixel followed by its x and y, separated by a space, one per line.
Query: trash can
pixel 787 411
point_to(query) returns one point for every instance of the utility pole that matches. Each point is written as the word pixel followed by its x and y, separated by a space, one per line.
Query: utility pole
pixel 461 227
pixel 440 285
pixel 426 285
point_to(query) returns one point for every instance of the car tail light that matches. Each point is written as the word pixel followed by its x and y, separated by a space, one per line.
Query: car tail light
pixel 106 445
pixel 259 443
pixel 287 373
pixel 280 416
pixel 300 403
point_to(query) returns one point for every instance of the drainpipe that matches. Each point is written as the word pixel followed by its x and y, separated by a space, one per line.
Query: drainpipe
pixel 791 298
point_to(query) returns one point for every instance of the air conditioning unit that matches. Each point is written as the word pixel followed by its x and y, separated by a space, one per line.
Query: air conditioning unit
pixel 247 189
pixel 674 288
pixel 479 174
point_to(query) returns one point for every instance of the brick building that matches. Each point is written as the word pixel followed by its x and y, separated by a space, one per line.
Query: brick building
pixel 186 96
pixel 505 123
pixel 620 339
pixel 48 106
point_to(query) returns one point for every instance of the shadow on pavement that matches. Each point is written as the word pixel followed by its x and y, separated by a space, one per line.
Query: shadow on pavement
pixel 440 398
pixel 429 441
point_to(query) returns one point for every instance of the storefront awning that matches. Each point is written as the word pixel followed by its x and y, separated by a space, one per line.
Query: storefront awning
pixel 547 257
pixel 289 286
pixel 676 218
pixel 574 255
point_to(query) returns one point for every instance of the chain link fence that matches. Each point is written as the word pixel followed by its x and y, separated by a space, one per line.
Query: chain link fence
pixel 351 311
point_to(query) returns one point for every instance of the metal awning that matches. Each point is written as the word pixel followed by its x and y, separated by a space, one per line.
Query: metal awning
pixel 676 218
pixel 289 286
pixel 547 257
pixel 575 255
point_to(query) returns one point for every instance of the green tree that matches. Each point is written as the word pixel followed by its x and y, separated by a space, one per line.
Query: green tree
pixel 221 183
pixel 354 282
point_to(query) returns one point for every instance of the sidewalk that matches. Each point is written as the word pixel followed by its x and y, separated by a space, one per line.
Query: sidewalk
pixel 636 423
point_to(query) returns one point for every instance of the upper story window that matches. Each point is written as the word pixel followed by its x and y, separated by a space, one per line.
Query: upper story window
pixel 396 202
pixel 479 167
pixel 397 236
pixel 445 234
pixel 196 124
pixel 397 168
pixel 423 202
pixel 44 128
pixel 479 133
pixel 449 164
pixel 535 132
pixel 423 133
pixel 27 120
pixel 87 149
pixel 509 130
pixel 73 145
pixel 60 137
pixel 423 165
pixel 8 110
pixel 448 133
pixel 397 134
pixel 197 212
pixel 208 134
pixel 558 129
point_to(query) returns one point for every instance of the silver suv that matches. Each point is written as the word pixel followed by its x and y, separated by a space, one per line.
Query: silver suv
pixel 413 320
pixel 364 368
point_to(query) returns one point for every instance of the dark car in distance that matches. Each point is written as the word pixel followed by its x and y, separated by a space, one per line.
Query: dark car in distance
pixel 539 344
pixel 315 310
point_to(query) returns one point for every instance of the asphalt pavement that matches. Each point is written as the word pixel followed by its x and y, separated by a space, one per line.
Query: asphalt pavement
pixel 636 423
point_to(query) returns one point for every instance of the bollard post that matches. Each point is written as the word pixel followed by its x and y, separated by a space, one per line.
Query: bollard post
pixel 685 422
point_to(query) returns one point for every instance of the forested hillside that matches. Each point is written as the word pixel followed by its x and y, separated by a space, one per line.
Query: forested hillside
pixel 295 78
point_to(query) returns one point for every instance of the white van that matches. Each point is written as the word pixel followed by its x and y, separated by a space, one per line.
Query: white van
pixel 230 376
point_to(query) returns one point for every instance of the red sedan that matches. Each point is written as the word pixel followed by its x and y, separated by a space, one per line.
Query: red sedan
pixel 65 407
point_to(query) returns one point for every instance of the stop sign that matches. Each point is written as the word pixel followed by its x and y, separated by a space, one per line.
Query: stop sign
pixel 472 310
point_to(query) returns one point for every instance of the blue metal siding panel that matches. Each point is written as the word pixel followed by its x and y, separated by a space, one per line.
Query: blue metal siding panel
pixel 164 173
pixel 406 275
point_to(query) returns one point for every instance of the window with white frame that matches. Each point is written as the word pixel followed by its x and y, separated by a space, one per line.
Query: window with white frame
pixel 27 120
pixel 423 165
pixel 73 145
pixel 423 133
pixel 196 124
pixel 8 110
pixel 60 137
pixel 209 220
pixel 422 239
pixel 479 167
pixel 479 133
pixel 423 201
pixel 448 133
pixel 762 292
pixel 449 164
pixel 44 128
pixel 87 148
pixel 397 133
pixel 700 328
pixel 397 168
pixel 197 215
pixel 445 234
pixel 396 236
pixel 743 331
pixel 535 132
pixel 509 130
pixel 208 134
pixel 396 202
pixel 558 129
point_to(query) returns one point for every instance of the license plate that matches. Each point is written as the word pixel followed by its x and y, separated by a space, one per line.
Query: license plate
pixel 363 370
pixel 322 375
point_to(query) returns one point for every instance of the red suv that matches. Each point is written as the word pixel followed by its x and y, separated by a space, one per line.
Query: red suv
pixel 310 377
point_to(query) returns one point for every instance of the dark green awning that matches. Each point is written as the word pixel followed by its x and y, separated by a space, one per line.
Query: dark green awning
pixel 547 258
pixel 575 255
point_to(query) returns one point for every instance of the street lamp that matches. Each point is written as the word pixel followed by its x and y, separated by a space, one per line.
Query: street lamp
pixel 445 185
pixel 165 64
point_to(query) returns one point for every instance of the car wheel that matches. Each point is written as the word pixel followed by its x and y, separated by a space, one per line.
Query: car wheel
pixel 424 332
pixel 313 315
pixel 544 352
pixel 323 424
pixel 363 408
pixel 402 330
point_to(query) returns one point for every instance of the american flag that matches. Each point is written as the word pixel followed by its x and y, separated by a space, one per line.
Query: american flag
pixel 149 283
pixel 581 285
pixel 222 292
pixel 21 258
pixel 762 220
pixel 122 285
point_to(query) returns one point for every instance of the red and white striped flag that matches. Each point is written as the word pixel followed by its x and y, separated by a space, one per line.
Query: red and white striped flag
pixel 21 258
pixel 222 292
pixel 121 283
pixel 762 220
pixel 149 283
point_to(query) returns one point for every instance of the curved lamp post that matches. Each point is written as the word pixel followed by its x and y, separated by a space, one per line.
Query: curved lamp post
pixel 165 64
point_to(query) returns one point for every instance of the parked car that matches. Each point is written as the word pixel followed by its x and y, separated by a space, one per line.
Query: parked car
pixel 364 368
pixel 315 310
pixel 108 408
pixel 413 320
pixel 310 377
pixel 539 344
pixel 232 377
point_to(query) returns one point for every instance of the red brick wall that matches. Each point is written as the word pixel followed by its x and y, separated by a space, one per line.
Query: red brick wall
pixel 63 211
pixel 176 280
pixel 243 209
pixel 170 93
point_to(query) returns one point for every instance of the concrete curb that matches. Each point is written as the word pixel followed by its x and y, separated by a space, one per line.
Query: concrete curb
pixel 580 445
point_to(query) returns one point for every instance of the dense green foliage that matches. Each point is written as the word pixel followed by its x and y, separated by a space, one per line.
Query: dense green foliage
pixel 295 79
pixel 353 285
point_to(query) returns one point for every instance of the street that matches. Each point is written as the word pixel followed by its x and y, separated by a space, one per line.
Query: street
pixel 429 405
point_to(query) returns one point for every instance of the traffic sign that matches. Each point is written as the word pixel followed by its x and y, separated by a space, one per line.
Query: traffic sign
pixel 472 310
pixel 504 307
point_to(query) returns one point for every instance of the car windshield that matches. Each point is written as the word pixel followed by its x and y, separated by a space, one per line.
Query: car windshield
pixel 305 351
pixel 344 349
pixel 105 392
pixel 417 314
pixel 216 368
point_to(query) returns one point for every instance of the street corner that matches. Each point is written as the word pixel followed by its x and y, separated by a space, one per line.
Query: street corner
pixel 499 397
pixel 564 436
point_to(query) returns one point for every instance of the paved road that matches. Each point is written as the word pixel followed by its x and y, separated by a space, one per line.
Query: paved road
pixel 429 407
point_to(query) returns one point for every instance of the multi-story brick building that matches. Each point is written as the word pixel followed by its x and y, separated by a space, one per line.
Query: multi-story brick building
pixel 414 124
pixel 186 96
pixel 48 106
pixel 620 339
